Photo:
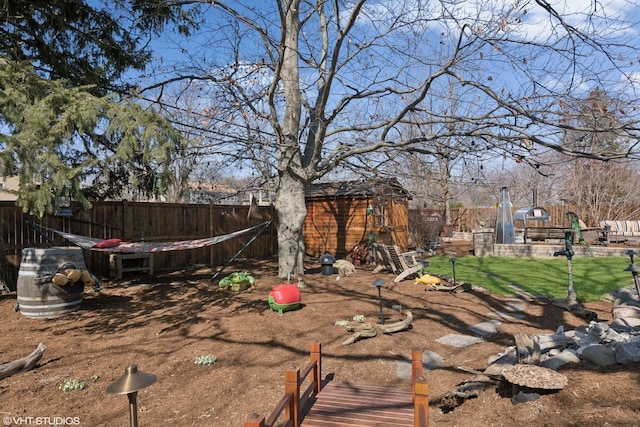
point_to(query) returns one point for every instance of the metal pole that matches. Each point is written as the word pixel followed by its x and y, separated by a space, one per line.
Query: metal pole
pixel 453 266
pixel 133 409
pixel 571 293
pixel 380 301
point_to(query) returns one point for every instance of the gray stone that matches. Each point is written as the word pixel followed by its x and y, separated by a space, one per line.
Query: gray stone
pixel 515 307
pixel 487 328
pixel 623 323
pixel 599 355
pixel 560 359
pixel 507 316
pixel 430 361
pixel 628 352
pixel 456 340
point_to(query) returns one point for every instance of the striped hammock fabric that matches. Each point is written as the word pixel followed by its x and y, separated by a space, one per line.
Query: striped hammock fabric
pixel 122 247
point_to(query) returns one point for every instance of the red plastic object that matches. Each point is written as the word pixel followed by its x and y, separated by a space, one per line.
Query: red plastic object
pixel 286 294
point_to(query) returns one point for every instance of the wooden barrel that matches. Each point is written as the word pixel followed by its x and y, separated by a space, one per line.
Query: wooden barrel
pixel 38 297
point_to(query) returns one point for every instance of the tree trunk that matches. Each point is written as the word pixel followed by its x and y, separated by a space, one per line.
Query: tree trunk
pixel 290 203
pixel 291 211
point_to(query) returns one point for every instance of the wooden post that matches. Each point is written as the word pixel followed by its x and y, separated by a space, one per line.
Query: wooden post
pixel 254 420
pixel 416 370
pixel 292 385
pixel 316 374
pixel 421 403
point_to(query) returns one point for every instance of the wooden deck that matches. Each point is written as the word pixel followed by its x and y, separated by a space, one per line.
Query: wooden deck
pixel 342 404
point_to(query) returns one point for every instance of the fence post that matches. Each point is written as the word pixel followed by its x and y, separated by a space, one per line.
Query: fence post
pixel 254 420
pixel 421 403
pixel 316 374
pixel 292 385
pixel 416 370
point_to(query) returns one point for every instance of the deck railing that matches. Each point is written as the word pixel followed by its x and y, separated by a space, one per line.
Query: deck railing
pixel 419 391
pixel 295 401
pixel 295 398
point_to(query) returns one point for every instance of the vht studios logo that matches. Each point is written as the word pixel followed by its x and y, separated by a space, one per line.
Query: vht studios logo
pixel 40 421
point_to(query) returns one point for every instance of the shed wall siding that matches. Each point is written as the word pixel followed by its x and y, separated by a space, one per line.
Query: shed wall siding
pixel 336 225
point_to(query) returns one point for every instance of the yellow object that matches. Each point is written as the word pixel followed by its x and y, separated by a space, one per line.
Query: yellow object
pixel 427 279
pixel 86 277
pixel 89 282
pixel 73 274
pixel 60 279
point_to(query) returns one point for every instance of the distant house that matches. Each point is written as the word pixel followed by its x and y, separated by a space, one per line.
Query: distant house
pixel 341 215
pixel 8 183
pixel 218 194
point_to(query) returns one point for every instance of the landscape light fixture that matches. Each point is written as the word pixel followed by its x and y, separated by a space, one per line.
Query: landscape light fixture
pixel 453 266
pixel 631 253
pixel 379 283
pixel 634 269
pixel 129 384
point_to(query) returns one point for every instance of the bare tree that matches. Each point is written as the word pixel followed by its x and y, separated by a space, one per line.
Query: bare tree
pixel 307 86
pixel 606 188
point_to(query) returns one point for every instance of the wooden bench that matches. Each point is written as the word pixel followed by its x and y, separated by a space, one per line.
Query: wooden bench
pixel 349 404
pixel 119 263
pixel 591 235
pixel 544 233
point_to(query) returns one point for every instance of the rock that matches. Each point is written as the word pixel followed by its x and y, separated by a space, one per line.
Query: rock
pixel 344 267
pixel 623 323
pixel 628 352
pixel 523 397
pixel 599 355
pixel 560 359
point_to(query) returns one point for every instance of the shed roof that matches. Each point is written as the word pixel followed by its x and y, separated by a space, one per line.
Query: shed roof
pixel 359 188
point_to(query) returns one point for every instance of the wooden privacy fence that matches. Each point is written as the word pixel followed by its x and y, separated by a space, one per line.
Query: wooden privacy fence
pixel 468 219
pixel 136 221
pixel 162 222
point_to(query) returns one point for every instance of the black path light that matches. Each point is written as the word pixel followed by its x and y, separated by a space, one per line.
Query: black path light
pixel 129 384
pixel 453 266
pixel 631 253
pixel 634 269
pixel 379 283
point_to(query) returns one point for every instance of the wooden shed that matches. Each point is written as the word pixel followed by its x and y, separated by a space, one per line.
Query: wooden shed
pixel 341 215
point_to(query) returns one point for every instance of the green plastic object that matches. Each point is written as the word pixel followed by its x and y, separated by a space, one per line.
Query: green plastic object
pixel 281 308
pixel 237 282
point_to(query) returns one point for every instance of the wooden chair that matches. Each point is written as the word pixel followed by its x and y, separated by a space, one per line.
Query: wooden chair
pixel 404 264
pixel 383 259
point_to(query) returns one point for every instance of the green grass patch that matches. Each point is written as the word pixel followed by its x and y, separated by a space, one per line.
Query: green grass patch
pixel 592 276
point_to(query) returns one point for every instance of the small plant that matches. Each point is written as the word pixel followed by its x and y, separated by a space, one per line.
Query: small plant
pixel 359 318
pixel 342 322
pixel 206 360
pixel 73 385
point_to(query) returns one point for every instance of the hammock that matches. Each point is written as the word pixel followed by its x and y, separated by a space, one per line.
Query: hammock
pixel 118 246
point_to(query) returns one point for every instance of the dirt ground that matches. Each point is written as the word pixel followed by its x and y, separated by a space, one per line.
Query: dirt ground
pixel 164 322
